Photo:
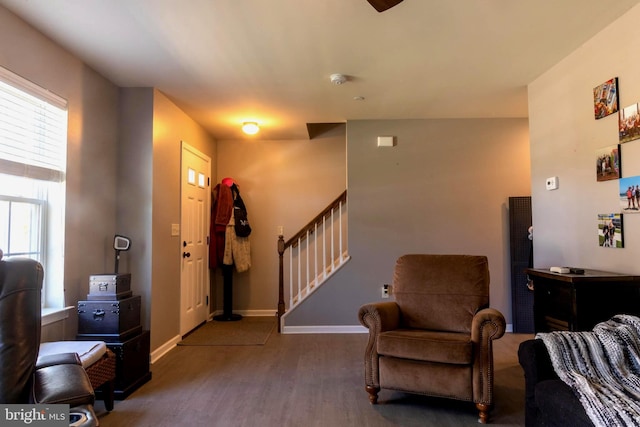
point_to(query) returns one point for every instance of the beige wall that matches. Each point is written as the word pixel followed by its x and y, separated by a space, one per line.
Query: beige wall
pixel 443 189
pixel 282 183
pixel 564 139
pixel 170 126
pixel 135 192
pixel 152 129
pixel 92 148
pixel 396 202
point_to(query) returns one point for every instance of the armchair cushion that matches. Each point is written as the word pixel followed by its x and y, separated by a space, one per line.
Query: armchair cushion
pixel 441 292
pixel 427 346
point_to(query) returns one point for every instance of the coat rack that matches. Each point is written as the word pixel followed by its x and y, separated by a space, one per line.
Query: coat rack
pixel 227 269
pixel 227 291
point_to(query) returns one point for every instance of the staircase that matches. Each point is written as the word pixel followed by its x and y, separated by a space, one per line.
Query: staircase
pixel 312 256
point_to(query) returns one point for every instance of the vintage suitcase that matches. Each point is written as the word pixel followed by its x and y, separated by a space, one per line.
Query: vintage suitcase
pixel 132 364
pixel 119 295
pixel 109 286
pixel 109 321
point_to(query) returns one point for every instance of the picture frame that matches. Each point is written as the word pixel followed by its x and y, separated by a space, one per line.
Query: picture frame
pixel 610 231
pixel 608 163
pixel 629 194
pixel 629 123
pixel 605 98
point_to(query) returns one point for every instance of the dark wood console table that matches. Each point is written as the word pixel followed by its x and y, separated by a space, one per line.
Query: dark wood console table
pixel 577 302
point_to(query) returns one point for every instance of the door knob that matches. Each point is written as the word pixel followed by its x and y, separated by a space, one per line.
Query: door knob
pixel 186 254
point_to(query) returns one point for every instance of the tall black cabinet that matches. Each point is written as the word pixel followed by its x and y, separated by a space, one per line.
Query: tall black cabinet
pixel 521 250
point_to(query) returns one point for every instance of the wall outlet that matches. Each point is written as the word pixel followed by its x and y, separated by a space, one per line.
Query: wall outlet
pixel 385 291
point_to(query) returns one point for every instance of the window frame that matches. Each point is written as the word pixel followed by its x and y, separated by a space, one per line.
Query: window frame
pixel 39 255
pixel 46 173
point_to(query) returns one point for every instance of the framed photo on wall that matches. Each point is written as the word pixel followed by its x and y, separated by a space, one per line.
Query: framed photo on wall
pixel 610 233
pixel 629 193
pixel 629 123
pixel 605 98
pixel 608 163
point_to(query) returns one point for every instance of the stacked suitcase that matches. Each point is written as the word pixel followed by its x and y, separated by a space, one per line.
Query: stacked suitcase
pixel 111 313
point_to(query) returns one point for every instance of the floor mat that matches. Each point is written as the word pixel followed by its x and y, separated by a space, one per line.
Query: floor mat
pixel 247 331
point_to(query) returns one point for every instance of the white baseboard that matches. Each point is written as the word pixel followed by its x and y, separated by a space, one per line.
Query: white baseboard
pixel 164 348
pixel 344 329
pixel 329 329
pixel 249 313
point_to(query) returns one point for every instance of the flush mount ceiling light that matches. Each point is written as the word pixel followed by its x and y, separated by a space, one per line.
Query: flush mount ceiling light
pixel 250 128
pixel 338 79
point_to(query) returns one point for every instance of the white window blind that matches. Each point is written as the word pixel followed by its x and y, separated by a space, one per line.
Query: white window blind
pixel 33 152
pixel 33 129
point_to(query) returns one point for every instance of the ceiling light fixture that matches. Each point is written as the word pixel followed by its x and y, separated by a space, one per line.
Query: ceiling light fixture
pixel 250 128
pixel 338 79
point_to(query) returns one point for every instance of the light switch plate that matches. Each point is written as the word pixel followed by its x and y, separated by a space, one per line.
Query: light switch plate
pixel 175 229
pixel 552 183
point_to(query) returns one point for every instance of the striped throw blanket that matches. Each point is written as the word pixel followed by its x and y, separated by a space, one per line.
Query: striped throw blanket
pixel 602 367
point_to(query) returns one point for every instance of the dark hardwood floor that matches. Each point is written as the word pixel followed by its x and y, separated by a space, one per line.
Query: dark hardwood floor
pixel 299 380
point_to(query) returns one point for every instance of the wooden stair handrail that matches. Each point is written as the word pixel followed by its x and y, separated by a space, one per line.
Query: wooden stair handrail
pixel 300 235
pixel 318 219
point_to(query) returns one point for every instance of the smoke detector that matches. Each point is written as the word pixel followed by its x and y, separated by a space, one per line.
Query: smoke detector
pixel 338 79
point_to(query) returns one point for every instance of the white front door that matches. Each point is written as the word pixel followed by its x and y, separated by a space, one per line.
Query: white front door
pixel 195 213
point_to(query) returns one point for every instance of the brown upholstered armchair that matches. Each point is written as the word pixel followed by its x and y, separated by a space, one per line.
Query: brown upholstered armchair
pixel 436 337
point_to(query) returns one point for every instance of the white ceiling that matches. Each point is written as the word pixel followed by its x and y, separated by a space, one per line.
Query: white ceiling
pixel 227 61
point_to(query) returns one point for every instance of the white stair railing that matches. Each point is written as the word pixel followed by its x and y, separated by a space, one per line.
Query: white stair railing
pixel 316 252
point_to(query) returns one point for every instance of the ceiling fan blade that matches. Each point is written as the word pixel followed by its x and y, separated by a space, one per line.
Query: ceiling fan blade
pixel 382 5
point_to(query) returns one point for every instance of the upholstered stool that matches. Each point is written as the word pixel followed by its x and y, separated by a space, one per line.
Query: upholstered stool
pixel 97 360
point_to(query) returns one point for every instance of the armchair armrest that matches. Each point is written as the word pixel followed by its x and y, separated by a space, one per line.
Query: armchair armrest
pixel 58 359
pixel 487 325
pixel 377 317
pixel 63 384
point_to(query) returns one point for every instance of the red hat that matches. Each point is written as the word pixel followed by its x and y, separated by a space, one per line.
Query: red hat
pixel 228 181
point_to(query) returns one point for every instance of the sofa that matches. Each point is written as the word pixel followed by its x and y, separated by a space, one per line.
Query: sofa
pixel 548 400
pixel 24 377
pixel 584 378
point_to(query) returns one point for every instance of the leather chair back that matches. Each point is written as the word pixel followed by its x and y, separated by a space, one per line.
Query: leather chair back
pixel 441 292
pixel 20 317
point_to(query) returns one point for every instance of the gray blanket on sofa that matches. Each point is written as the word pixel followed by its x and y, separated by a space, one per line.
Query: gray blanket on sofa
pixel 602 367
